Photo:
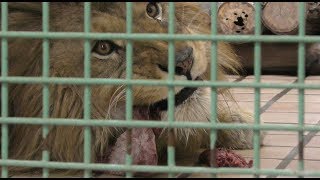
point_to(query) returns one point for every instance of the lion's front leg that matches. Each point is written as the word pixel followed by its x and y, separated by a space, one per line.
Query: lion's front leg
pixel 235 138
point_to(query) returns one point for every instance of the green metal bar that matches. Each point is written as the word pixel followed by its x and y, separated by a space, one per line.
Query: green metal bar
pixel 171 92
pixel 45 90
pixel 87 90
pixel 301 76
pixel 165 37
pixel 257 97
pixel 160 169
pixel 177 83
pixel 154 124
pixel 129 93
pixel 4 89
pixel 213 77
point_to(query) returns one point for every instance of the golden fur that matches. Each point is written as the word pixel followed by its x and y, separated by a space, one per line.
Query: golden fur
pixel 65 143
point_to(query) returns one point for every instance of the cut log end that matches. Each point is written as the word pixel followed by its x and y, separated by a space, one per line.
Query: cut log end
pixel 236 18
pixel 281 17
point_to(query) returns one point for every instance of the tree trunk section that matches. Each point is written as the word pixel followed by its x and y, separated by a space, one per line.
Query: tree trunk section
pixel 281 17
pixel 236 18
pixel 279 58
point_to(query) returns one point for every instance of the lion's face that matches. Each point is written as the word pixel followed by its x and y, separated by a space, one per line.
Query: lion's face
pixel 150 57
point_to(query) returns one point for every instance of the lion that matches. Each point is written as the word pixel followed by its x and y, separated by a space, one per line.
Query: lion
pixel 108 60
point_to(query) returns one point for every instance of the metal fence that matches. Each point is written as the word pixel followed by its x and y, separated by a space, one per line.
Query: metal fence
pixel 87 166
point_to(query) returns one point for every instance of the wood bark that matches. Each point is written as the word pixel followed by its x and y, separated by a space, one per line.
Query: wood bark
pixel 279 58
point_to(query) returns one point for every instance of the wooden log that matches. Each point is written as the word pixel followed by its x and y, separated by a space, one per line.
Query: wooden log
pixel 313 10
pixel 279 58
pixel 313 59
pixel 281 17
pixel 236 17
pixel 313 18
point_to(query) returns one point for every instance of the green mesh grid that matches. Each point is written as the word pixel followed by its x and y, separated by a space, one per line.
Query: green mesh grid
pixel 87 122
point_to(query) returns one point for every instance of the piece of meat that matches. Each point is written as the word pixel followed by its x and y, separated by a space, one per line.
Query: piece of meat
pixel 225 158
pixel 144 150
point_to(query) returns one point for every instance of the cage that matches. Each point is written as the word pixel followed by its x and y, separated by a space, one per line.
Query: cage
pixel 295 152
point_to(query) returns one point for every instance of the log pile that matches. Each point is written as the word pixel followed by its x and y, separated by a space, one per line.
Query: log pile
pixel 277 18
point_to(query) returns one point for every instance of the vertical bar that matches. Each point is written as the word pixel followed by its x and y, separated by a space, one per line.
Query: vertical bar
pixel 301 76
pixel 129 87
pixel 45 90
pixel 257 74
pixel 87 90
pixel 171 93
pixel 4 87
pixel 213 77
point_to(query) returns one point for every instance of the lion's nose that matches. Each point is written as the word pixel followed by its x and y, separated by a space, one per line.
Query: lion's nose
pixel 184 62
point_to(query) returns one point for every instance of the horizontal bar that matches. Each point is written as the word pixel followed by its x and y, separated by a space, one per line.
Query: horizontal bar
pixel 160 169
pixel 159 36
pixel 154 124
pixel 102 81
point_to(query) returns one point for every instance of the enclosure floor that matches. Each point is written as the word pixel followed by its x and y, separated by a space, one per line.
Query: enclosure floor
pixel 278 106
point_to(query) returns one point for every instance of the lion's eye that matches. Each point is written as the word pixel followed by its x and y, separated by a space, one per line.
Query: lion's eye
pixel 103 48
pixel 153 10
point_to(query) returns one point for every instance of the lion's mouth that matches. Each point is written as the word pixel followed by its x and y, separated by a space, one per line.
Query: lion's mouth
pixel 183 95
pixel 152 112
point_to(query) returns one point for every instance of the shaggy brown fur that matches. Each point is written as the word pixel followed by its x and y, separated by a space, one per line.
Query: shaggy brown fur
pixel 65 143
